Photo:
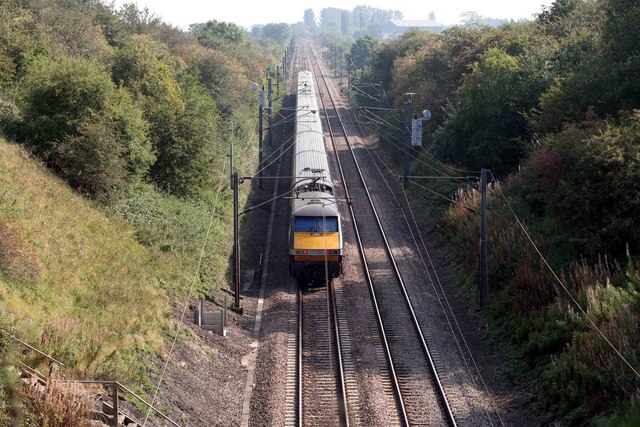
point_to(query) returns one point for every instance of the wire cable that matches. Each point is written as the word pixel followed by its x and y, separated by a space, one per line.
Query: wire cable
pixel 186 305
pixel 408 205
pixel 564 287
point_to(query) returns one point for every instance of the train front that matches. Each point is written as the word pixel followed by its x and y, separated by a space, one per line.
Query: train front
pixel 316 240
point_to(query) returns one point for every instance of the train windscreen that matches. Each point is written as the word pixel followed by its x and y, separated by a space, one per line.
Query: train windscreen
pixel 315 224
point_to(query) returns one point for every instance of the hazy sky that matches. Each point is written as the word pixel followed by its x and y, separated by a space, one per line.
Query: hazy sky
pixel 246 13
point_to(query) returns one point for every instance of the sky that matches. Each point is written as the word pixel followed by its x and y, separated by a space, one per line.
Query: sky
pixel 247 13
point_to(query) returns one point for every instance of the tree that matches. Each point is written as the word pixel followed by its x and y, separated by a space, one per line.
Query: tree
pixel 309 18
pixel 487 126
pixel 84 126
pixel 281 33
pixel 621 44
pixel 330 18
pixel 361 51
pixel 218 35
pixel 345 22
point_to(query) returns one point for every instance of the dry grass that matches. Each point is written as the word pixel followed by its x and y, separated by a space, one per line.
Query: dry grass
pixel 60 405
pixel 580 373
pixel 73 280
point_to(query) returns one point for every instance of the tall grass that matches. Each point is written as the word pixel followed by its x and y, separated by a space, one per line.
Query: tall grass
pixel 73 281
pixel 578 374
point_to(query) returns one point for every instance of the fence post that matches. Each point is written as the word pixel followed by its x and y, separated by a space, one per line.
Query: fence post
pixel 115 404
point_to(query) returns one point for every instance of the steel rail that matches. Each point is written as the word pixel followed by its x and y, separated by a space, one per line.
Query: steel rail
pixel 385 341
pixel 299 359
pixel 425 347
pixel 332 312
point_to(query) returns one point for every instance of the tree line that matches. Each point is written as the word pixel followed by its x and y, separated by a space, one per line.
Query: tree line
pixel 552 107
pixel 111 99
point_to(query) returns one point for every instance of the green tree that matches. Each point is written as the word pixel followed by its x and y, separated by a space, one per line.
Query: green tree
pixel 621 52
pixel 217 34
pixel 487 128
pixel 309 18
pixel 361 51
pixel 330 18
pixel 85 127
pixel 345 22
pixel 180 114
pixel 281 33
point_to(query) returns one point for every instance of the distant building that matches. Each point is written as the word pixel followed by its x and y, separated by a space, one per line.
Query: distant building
pixel 395 27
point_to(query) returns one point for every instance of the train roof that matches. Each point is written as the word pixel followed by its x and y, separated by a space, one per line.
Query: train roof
pixel 310 154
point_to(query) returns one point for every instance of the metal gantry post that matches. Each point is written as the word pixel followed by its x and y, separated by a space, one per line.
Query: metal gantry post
pixel 284 66
pixel 236 247
pixel 482 280
pixel 269 114
pixel 278 80
pixel 348 69
pixel 261 106
pixel 407 140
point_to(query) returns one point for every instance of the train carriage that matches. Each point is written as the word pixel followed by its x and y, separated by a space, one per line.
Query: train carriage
pixel 315 240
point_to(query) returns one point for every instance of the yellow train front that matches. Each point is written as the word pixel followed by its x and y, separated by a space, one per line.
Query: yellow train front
pixel 315 236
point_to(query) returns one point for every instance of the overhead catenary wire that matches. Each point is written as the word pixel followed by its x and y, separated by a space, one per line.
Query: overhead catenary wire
pixel 418 153
pixel 196 276
pixel 376 118
pixel 400 146
pixel 562 284
pixel 407 204
pixel 444 295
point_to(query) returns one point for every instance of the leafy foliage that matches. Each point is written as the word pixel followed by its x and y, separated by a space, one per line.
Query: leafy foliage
pixel 551 105
pixel 487 128
pixel 361 50
pixel 84 126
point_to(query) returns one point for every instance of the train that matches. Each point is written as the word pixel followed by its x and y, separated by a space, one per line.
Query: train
pixel 315 236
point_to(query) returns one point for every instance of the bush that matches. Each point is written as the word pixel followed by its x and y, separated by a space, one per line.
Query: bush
pixel 587 178
pixel 85 127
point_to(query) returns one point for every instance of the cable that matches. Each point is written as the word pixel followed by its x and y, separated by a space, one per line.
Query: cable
pixel 415 150
pixel 477 370
pixel 444 295
pixel 442 196
pixel 400 146
pixel 561 283
pixel 186 306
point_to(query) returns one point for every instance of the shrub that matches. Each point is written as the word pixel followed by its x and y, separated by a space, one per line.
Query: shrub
pixel 85 127
pixel 587 178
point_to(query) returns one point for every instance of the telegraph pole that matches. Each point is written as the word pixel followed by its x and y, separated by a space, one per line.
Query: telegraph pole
pixel 278 80
pixel 482 279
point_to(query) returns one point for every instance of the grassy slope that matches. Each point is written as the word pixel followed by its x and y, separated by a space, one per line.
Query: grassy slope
pixel 72 280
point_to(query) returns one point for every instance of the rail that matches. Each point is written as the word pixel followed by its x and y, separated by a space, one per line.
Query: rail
pixel 441 392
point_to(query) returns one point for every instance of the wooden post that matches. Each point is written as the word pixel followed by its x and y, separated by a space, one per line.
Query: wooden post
pixel 115 404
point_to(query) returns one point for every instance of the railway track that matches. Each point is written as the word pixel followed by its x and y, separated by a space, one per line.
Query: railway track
pixel 318 372
pixel 421 399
